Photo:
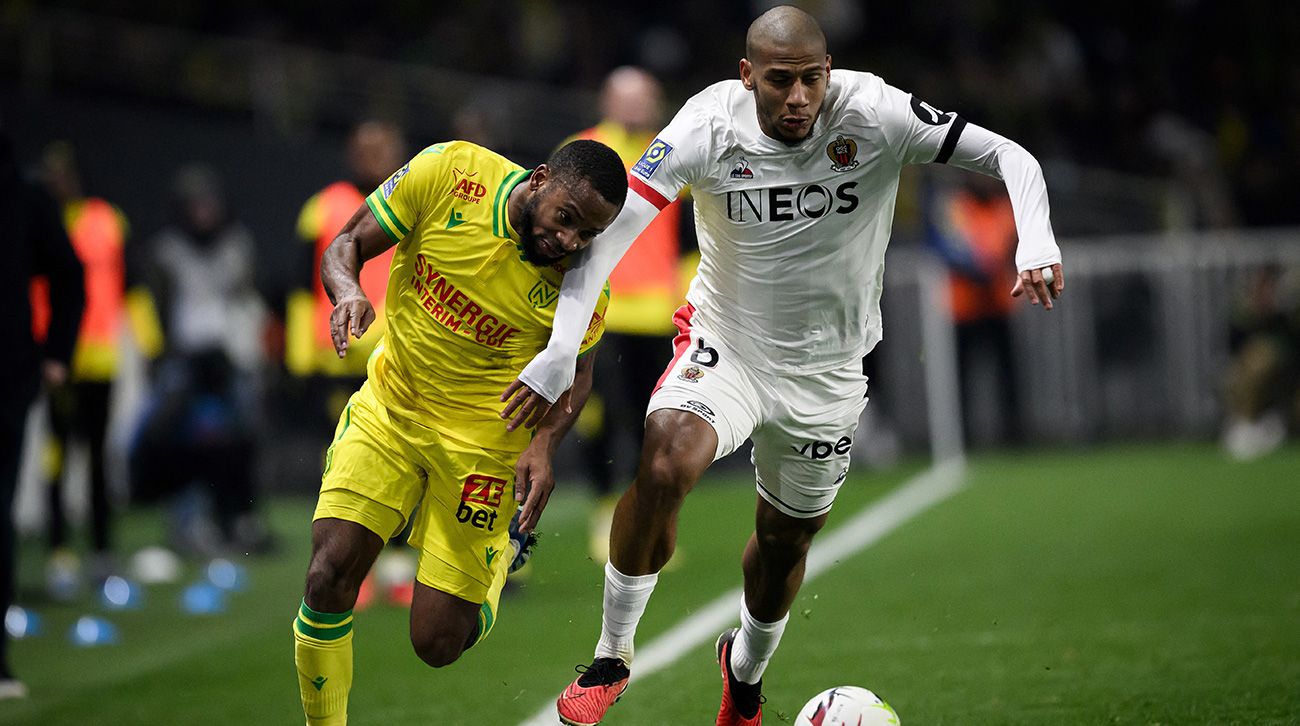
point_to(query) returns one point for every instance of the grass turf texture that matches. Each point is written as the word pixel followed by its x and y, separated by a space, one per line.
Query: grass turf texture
pixel 1136 585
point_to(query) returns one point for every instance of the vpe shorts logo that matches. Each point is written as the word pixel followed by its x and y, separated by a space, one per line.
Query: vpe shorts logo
pixel 652 158
pixel 691 374
pixel 391 184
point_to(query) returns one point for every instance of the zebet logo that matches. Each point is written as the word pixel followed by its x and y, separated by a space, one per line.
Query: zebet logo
pixel 480 489
pixel 782 204
pixel 818 450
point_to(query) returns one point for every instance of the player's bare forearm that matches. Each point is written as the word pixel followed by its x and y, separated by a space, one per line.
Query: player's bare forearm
pixel 340 273
pixel 340 266
pixel 534 477
pixel 564 413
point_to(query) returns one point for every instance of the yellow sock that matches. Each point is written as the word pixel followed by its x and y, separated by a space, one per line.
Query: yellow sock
pixel 487 613
pixel 323 654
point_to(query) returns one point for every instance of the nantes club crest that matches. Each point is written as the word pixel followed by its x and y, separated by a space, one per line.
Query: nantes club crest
pixel 843 153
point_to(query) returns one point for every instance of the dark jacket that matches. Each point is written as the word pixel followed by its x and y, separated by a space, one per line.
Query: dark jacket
pixel 34 244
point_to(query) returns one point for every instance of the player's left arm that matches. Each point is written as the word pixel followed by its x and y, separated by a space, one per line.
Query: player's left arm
pixel 978 149
pixel 534 478
pixel 920 133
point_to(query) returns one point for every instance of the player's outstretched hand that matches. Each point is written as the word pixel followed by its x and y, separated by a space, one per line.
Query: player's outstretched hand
pixel 524 406
pixel 1041 285
pixel 534 481
pixel 351 314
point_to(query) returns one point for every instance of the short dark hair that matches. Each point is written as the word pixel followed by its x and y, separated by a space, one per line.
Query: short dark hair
pixel 595 162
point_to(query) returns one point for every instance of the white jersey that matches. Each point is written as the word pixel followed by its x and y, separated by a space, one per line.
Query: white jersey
pixel 792 238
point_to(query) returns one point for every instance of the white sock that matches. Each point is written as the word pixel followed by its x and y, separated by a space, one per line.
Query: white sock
pixel 754 645
pixel 625 600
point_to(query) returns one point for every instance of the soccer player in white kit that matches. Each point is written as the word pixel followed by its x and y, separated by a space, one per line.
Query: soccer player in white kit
pixel 794 170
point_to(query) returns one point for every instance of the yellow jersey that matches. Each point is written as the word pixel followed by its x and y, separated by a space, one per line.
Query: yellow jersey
pixel 465 310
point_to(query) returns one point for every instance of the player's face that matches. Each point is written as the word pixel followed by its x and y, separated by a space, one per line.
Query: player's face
pixel 789 86
pixel 562 217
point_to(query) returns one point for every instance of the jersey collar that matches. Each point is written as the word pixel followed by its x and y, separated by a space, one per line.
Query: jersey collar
pixel 501 226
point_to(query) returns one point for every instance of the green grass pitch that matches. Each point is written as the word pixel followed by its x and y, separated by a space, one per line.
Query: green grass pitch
pixel 1154 584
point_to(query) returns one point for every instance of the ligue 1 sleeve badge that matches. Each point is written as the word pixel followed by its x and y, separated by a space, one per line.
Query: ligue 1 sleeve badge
pixel 843 153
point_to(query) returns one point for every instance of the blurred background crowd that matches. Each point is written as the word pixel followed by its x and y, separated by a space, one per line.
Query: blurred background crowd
pixel 202 155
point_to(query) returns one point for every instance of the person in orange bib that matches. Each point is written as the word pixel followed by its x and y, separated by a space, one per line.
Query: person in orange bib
pixel 79 409
pixel 375 149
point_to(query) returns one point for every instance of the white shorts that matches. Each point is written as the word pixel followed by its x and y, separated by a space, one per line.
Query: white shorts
pixel 802 425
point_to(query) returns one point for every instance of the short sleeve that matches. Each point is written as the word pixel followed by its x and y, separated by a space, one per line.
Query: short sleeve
pixel 596 328
pixel 401 201
pixel 917 132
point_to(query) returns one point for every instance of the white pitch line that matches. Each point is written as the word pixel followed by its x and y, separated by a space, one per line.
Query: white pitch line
pixel 865 529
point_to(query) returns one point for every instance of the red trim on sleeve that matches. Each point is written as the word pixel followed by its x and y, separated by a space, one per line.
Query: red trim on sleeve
pixel 647 192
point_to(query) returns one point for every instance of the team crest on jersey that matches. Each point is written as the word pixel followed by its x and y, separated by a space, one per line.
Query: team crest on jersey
pixel 391 184
pixel 843 153
pixel 741 170
pixel 654 155
pixel 466 189
pixel 691 374
pixel 543 294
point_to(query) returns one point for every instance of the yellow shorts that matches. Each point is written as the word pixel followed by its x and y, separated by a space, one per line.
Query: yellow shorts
pixel 382 471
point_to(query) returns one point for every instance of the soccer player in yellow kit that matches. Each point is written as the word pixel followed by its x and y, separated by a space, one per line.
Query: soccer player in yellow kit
pixel 480 251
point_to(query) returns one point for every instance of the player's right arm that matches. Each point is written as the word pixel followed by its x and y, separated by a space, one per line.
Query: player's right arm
pixel 667 165
pixel 385 219
pixel 340 272
pixel 550 373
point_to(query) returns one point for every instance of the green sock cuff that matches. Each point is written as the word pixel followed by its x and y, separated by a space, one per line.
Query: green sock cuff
pixel 333 632
pixel 322 618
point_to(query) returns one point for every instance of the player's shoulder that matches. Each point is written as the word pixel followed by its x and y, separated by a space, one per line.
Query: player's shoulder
pixel 859 96
pixel 450 160
pixel 855 91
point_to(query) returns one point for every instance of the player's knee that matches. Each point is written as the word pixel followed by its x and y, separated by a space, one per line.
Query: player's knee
pixel 438 647
pixel 330 588
pixel 787 543
pixel 665 476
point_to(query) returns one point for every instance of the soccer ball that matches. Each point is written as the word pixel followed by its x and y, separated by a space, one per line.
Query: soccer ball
pixel 846 706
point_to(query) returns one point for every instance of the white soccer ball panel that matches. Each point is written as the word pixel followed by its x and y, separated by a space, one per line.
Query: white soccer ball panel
pixel 847 706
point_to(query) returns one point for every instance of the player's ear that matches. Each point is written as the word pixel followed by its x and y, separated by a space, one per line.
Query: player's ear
pixel 828 62
pixel 747 74
pixel 539 177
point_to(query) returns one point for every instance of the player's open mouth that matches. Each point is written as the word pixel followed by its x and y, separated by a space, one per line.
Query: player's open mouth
pixel 548 248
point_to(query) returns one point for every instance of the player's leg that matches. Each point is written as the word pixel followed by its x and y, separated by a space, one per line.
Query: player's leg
pixel 679 446
pixel 801 457
pixel 443 626
pixel 342 553
pixel 368 490
pixel 462 530
pixel 704 407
